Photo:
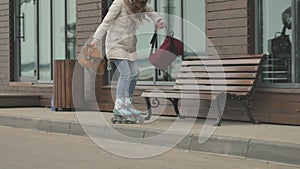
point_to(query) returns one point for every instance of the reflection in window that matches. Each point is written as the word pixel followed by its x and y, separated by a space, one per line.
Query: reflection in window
pixel 297 40
pixel 71 29
pixel 59 29
pixel 277 37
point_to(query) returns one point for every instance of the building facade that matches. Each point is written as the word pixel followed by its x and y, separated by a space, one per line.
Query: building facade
pixel 36 34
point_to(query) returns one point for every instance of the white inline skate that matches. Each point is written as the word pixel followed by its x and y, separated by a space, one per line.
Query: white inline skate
pixel 121 113
pixel 136 113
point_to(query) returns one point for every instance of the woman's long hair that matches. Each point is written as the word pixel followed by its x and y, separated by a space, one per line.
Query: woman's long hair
pixel 135 7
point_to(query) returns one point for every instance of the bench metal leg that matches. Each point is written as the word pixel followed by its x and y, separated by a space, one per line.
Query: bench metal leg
pixel 175 105
pixel 216 107
pixel 147 100
pixel 248 106
pixel 220 104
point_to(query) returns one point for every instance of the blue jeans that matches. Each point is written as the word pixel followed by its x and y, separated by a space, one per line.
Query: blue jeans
pixel 129 73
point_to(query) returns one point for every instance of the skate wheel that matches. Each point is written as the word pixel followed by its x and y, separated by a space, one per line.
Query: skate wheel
pixel 132 121
pixel 113 120
pixel 141 120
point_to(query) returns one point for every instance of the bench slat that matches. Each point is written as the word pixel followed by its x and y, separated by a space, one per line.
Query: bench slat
pixel 216 75
pixel 214 82
pixel 222 58
pixel 213 88
pixel 221 62
pixel 190 91
pixel 146 92
pixel 179 95
pixel 219 69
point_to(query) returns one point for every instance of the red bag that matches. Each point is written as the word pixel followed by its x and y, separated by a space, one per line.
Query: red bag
pixel 166 53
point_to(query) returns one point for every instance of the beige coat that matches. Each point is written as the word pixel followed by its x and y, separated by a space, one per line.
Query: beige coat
pixel 121 25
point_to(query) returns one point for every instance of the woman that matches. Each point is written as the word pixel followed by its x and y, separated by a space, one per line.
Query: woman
pixel 121 22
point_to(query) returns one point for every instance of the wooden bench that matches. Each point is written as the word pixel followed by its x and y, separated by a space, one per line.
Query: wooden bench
pixel 212 78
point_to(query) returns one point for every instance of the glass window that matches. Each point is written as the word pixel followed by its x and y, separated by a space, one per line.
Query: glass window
pixel 71 29
pixel 59 30
pixel 197 39
pixel 276 43
pixel 174 12
pixel 27 38
pixel 171 12
pixel 40 37
pixel 296 25
pixel 45 57
pixel 144 34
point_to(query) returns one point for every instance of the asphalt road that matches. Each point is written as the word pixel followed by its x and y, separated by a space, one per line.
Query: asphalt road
pixel 25 149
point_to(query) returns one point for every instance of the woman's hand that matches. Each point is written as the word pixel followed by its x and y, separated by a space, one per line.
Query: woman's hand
pixel 160 24
pixel 94 43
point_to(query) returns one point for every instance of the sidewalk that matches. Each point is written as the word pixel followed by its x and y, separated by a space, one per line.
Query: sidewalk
pixel 279 143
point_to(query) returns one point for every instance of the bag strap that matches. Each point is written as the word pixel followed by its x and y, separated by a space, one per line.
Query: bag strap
pixel 169 34
pixel 172 45
pixel 153 41
pixel 283 30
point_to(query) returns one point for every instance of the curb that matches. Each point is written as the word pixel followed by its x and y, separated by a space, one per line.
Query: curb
pixel 246 148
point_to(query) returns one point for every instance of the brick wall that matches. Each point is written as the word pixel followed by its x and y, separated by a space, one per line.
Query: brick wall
pixel 4 43
pixel 227 26
pixel 89 14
